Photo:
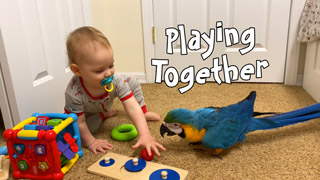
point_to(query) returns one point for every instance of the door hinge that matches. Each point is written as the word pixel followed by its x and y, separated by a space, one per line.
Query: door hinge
pixel 153 35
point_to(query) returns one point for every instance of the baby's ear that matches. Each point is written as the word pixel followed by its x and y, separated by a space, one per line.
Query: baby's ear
pixel 75 69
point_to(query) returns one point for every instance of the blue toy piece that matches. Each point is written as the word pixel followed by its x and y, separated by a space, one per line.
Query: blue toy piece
pixel 130 166
pixel 64 149
pixel 171 175
pixel 19 148
pixel 30 127
pixel 44 127
pixel 104 164
pixel 3 150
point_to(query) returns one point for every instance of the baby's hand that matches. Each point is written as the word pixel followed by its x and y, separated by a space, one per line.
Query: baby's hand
pixel 150 144
pixel 100 145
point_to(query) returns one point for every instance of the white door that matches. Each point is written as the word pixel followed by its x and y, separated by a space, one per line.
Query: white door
pixel 269 18
pixel 34 63
pixel 311 78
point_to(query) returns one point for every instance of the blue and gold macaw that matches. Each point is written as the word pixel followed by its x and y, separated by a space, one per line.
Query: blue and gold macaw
pixel 220 128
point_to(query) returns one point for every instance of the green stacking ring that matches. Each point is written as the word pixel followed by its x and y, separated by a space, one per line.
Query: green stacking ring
pixel 124 132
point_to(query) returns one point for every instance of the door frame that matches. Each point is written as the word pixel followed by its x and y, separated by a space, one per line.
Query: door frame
pixel 147 22
pixel 293 46
pixel 5 91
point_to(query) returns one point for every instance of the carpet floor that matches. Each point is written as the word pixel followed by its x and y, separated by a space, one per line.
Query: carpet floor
pixel 290 152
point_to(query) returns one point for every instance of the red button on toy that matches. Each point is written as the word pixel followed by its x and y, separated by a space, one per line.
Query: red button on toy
pixel 144 155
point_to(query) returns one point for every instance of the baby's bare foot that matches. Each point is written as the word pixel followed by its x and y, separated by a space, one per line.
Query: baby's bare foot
pixel 151 116
pixel 110 113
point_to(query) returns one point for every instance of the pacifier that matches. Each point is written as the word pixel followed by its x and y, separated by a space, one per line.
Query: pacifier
pixel 107 81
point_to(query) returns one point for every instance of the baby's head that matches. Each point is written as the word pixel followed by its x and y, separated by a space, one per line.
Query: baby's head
pixel 90 56
pixel 85 40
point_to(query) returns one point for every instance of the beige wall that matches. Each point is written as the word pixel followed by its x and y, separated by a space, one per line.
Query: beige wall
pixel 121 22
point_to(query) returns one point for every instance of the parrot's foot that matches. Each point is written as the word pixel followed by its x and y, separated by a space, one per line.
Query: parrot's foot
pixel 195 143
pixel 216 152
pixel 217 156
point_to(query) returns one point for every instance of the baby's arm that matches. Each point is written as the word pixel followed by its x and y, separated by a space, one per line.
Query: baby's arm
pixel 136 115
pixel 89 140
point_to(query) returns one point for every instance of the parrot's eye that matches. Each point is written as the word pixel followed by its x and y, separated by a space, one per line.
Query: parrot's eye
pixel 172 126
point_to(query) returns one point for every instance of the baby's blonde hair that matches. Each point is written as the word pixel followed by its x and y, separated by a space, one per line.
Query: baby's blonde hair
pixel 84 37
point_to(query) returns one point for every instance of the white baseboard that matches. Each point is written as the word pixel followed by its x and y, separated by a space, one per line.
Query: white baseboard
pixel 141 76
pixel 300 80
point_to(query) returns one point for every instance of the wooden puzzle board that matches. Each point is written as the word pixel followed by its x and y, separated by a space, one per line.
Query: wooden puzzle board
pixel 118 171
pixel 4 167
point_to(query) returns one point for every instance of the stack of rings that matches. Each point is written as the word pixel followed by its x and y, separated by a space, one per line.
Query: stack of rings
pixel 124 132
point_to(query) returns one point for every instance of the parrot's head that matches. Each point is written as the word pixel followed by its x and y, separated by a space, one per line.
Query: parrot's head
pixel 173 121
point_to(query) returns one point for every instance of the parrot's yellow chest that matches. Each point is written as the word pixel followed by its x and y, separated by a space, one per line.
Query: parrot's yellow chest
pixel 193 134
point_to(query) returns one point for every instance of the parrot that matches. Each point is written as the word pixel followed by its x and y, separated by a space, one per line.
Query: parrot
pixel 219 128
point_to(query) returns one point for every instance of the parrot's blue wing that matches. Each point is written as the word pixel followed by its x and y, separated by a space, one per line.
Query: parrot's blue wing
pixel 204 113
pixel 228 124
pixel 200 117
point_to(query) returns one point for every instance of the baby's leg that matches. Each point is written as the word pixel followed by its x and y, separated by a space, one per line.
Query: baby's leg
pixel 151 116
pixel 137 93
pixel 94 121
pixel 110 113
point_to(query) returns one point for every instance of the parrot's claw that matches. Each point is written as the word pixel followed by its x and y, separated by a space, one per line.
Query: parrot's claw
pixel 216 153
pixel 217 156
pixel 195 143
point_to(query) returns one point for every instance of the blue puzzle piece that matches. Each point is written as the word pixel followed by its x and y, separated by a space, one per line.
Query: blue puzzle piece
pixel 135 168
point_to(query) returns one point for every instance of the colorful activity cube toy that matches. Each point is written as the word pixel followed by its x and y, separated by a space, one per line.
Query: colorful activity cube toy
pixel 44 146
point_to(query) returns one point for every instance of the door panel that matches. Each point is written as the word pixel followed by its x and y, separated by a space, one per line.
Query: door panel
pixel 34 34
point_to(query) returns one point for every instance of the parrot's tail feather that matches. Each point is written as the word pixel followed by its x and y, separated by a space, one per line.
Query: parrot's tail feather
pixel 262 113
pixel 298 112
pixel 289 118
pixel 298 119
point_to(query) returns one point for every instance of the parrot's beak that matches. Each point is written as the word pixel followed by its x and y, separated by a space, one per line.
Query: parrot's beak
pixel 164 129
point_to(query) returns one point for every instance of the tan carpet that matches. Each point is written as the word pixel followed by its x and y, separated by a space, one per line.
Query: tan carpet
pixel 286 153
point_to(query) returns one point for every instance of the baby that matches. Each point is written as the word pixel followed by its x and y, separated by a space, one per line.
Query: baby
pixel 90 94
